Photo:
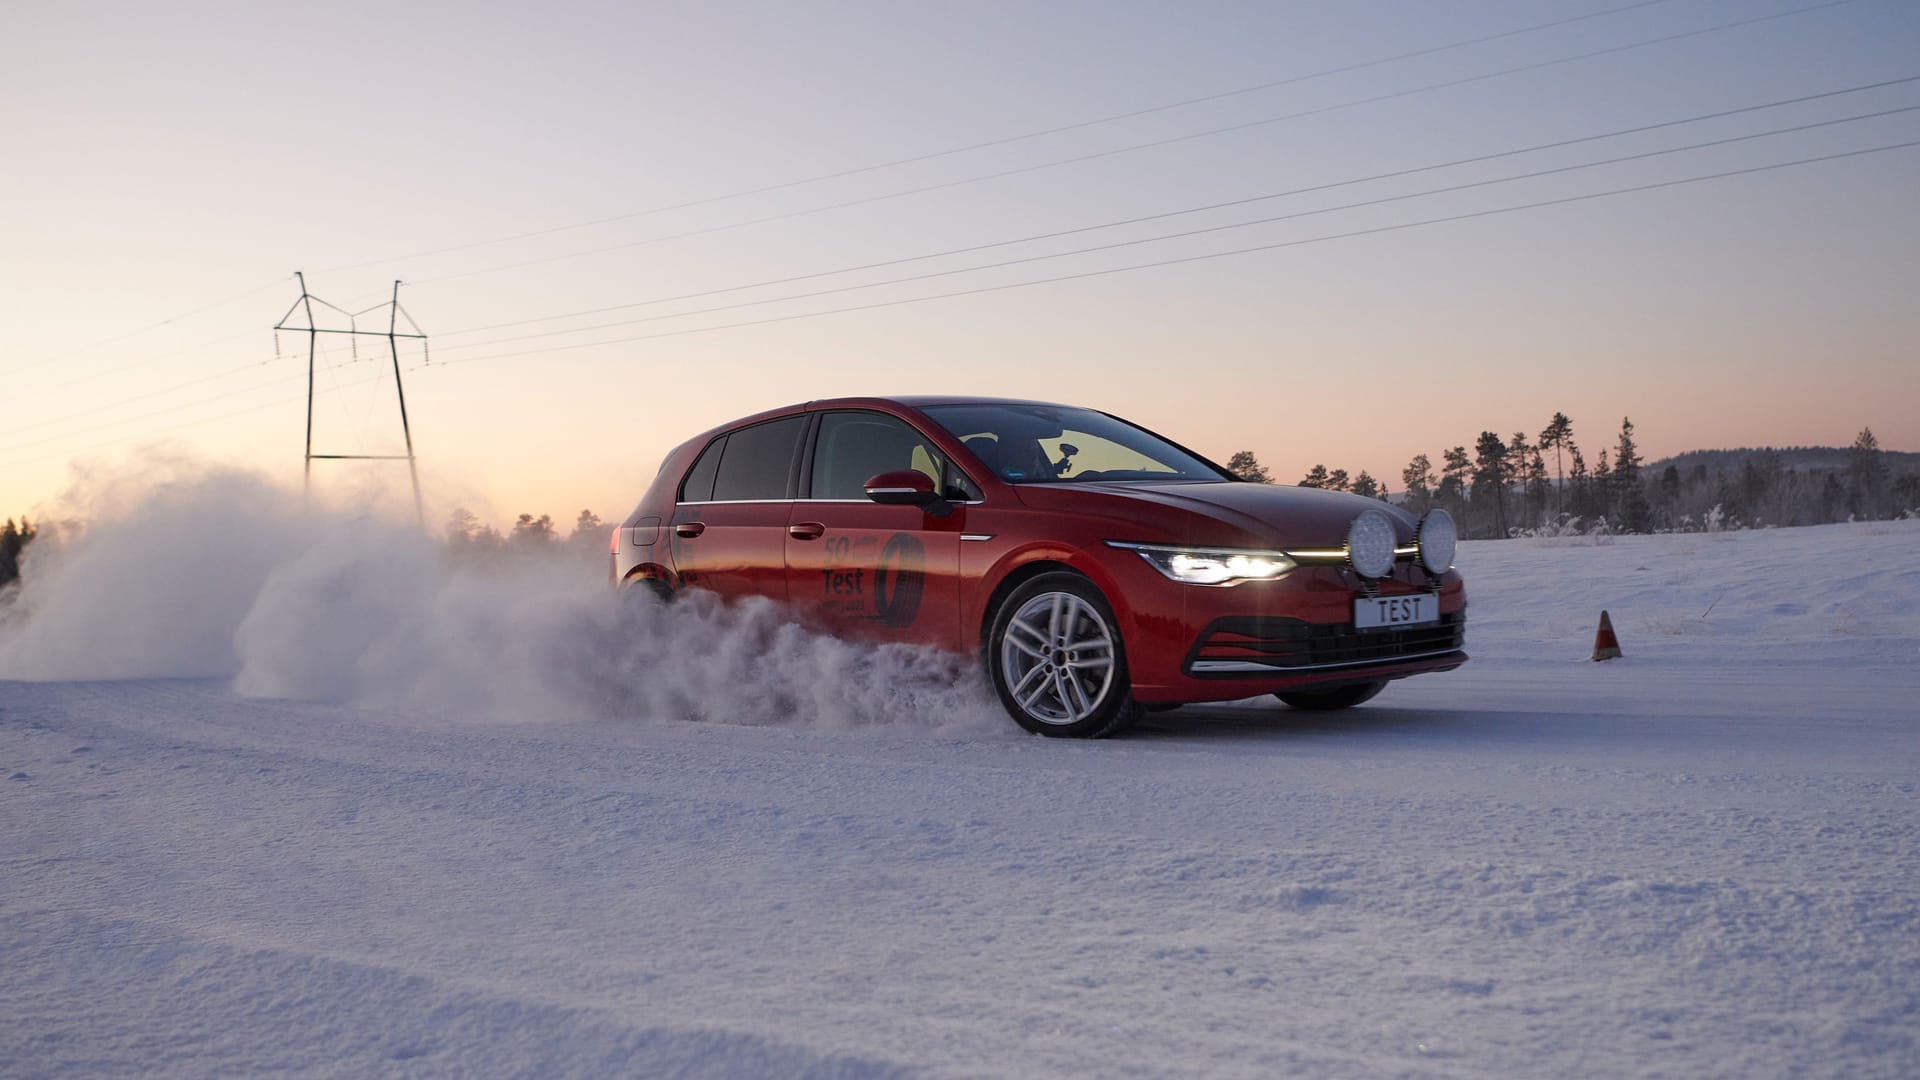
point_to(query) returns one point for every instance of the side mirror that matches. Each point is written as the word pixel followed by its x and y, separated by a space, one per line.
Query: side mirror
pixel 907 487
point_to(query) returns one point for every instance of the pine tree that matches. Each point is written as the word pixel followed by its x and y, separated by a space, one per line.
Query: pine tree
pixel 1536 486
pixel 1247 467
pixel 1626 458
pixel 1417 478
pixel 1519 452
pixel 1670 495
pixel 1490 473
pixel 1867 480
pixel 10 545
pixel 461 525
pixel 1336 480
pixel 1557 437
pixel 1455 470
pixel 1316 477
pixel 1906 492
pixel 1833 497
pixel 1366 485
pixel 530 532
pixel 1579 482
pixel 1631 498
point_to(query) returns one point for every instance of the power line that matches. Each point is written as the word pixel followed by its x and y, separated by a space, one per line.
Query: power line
pixel 1135 147
pixel 1835 3
pixel 332 364
pixel 997 265
pixel 109 406
pixel 158 392
pixel 153 358
pixel 1332 185
pixel 1010 139
pixel 168 321
pixel 1350 234
pixel 258 407
pixel 142 416
pixel 1205 257
pixel 1383 200
pixel 1048 165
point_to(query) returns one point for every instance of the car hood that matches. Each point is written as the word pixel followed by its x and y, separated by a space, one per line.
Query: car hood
pixel 1225 513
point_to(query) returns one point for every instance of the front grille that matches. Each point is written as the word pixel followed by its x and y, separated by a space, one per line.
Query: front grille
pixel 1248 644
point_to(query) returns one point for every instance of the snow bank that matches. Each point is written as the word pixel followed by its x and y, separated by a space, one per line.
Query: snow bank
pixel 1822 594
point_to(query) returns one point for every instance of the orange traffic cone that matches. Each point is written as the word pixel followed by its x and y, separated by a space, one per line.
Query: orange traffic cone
pixel 1605 645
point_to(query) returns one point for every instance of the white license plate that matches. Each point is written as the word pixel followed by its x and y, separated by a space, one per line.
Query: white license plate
pixel 1413 609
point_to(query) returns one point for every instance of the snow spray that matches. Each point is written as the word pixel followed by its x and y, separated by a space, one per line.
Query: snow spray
pixel 214 572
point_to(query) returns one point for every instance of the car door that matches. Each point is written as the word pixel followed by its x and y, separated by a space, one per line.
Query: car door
pixel 729 527
pixel 854 566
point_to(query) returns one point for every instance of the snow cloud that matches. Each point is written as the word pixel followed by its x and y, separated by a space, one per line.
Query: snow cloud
pixel 186 571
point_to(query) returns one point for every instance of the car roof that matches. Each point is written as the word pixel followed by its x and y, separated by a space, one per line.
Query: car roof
pixel 911 401
pixel 921 401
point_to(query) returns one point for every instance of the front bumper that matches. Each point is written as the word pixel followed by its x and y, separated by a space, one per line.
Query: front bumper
pixel 1240 646
pixel 1188 643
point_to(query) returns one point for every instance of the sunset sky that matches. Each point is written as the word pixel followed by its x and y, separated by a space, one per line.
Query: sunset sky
pixel 578 197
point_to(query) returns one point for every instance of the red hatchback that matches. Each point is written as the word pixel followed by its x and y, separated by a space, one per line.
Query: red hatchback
pixel 1095 567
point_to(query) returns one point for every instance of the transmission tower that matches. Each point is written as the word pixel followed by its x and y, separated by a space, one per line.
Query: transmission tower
pixel 392 333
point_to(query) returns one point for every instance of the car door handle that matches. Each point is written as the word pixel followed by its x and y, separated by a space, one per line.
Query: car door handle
pixel 807 530
pixel 689 530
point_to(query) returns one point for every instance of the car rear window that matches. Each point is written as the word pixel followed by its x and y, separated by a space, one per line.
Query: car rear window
pixel 757 462
pixel 698 486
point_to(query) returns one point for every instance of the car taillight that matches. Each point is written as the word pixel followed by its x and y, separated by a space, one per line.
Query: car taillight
pixel 613 557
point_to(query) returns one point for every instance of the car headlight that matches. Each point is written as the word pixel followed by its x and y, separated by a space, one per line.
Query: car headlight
pixel 1370 543
pixel 1436 538
pixel 1210 566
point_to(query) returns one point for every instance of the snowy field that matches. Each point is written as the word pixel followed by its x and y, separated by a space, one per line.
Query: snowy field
pixel 346 812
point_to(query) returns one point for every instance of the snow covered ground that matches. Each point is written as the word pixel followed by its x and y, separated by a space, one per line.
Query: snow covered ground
pixel 357 815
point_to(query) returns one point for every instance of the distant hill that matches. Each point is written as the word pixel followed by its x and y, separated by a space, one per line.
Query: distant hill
pixel 1798 458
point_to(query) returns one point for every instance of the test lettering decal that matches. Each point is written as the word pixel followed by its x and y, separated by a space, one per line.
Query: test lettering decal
pixel 899 579
pixel 844 581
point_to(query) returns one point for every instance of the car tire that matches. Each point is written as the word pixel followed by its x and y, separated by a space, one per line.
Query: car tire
pixel 653 587
pixel 1340 697
pixel 1056 660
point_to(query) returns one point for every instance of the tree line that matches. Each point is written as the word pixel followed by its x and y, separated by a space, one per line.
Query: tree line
pixel 467 537
pixel 13 542
pixel 1505 487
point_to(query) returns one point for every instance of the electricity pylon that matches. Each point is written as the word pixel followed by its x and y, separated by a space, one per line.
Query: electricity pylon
pixel 393 335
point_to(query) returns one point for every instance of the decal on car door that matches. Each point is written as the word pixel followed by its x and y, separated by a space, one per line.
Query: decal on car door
pixel 865 579
pixel 899 579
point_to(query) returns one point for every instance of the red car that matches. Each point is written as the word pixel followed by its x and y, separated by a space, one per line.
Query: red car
pixel 1095 567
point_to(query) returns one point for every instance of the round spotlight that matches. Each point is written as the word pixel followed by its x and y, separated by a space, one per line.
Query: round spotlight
pixel 1436 538
pixel 1370 544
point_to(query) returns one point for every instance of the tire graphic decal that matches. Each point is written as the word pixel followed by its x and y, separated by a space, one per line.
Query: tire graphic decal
pixel 899 579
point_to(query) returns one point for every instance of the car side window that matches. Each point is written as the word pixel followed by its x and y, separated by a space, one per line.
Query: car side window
pixel 698 486
pixel 854 447
pixel 757 462
pixel 958 487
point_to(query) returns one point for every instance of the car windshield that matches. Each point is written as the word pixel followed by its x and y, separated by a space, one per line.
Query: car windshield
pixel 1029 444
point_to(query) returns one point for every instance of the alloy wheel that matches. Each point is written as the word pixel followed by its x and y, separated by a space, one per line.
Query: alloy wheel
pixel 1057 656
